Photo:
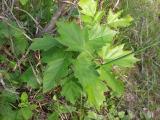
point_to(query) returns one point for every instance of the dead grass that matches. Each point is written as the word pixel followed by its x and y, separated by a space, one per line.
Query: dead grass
pixel 143 87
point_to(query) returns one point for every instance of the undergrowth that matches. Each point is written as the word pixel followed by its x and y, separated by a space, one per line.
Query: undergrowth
pixel 142 94
pixel 64 60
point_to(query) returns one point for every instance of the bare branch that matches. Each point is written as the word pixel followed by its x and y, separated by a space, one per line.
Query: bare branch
pixel 116 5
pixel 63 8
pixel 48 28
pixel 100 4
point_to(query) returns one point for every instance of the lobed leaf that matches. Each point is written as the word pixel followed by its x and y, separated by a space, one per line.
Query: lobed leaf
pixel 88 7
pixel 23 2
pixel 44 43
pixel 72 36
pixel 29 78
pixel 117 56
pixel 114 21
pixel 95 92
pixel 20 42
pixel 99 35
pixel 116 85
pixel 89 79
pixel 54 71
pixel 84 70
pixel 71 90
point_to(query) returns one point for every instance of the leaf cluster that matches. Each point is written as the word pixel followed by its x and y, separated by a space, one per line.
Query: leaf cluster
pixel 78 63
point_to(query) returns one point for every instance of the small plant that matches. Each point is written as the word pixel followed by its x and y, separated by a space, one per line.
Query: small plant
pixel 75 67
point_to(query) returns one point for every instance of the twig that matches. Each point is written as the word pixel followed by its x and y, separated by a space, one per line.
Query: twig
pixel 12 5
pixel 35 21
pixel 1 81
pixel 2 17
pixel 48 28
pixel 18 23
pixel 35 74
pixel 6 21
pixel 69 2
pixel 117 3
pixel 100 4
pixel 21 59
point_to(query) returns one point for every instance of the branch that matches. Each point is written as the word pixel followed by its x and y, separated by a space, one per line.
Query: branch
pixel 100 4
pixel 63 8
pixel 49 27
pixel 116 5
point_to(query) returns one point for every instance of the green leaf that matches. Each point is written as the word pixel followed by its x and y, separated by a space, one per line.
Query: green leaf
pixel 8 97
pixel 95 92
pixel 88 77
pixel 114 21
pixel 30 78
pixel 94 116
pixel 115 56
pixel 121 114
pixel 116 85
pixel 72 36
pixel 98 16
pixel 63 109
pixel 101 31
pixel 23 2
pixel 44 43
pixel 54 71
pixel 84 70
pixel 24 97
pixel 87 19
pixel 52 54
pixel 4 33
pixel 15 36
pixel 6 100
pixel 4 30
pixel 53 116
pixel 6 112
pixel 99 35
pixel 20 42
pixel 92 20
pixel 71 90
pixel 88 7
pixel 26 113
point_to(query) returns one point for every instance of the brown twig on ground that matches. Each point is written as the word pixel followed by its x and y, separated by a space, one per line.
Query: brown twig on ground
pixel 116 5
pixel 63 8
pixel 100 4
pixel 2 17
pixel 12 14
pixel 49 27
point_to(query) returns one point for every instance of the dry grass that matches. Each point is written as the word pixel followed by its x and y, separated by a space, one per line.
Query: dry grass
pixel 143 87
